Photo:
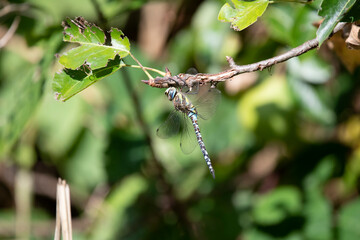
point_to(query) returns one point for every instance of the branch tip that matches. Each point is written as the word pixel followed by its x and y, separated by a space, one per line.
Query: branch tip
pixel 167 72
pixel 184 79
pixel 231 61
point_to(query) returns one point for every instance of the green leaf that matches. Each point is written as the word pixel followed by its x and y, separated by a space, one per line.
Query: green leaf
pixel 290 24
pixel 318 218
pixel 92 51
pixel 20 97
pixel 114 215
pixel 311 69
pixel 244 14
pixel 348 223
pixel 332 11
pixel 317 209
pixel 56 121
pixel 276 206
pixel 90 62
pixel 86 165
pixel 17 104
pixel 69 82
pixel 310 100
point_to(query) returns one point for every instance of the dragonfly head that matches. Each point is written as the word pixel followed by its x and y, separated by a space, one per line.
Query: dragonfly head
pixel 171 93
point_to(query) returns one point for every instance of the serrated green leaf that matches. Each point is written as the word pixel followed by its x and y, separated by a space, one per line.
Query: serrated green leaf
pixel 244 14
pixel 69 82
pixel 92 51
pixel 332 11
pixel 80 31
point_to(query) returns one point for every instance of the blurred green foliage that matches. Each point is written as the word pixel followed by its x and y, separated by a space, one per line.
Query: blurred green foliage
pixel 285 147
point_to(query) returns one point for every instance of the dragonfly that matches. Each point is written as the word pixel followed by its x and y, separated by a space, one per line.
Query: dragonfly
pixel 187 111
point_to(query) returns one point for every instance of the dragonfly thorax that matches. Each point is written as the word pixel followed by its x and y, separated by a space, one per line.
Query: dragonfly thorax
pixel 180 101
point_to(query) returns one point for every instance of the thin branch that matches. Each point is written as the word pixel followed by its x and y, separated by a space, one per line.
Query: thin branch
pixel 10 8
pixel 141 66
pixel 188 79
pixel 8 35
pixel 147 68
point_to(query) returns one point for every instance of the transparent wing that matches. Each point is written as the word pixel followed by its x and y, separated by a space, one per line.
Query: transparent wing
pixel 207 101
pixel 192 71
pixel 188 140
pixel 171 126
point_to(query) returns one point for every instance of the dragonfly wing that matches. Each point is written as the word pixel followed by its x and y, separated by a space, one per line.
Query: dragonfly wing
pixel 188 140
pixel 170 127
pixel 207 101
pixel 192 71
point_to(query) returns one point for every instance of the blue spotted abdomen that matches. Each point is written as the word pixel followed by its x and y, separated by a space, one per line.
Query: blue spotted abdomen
pixel 193 116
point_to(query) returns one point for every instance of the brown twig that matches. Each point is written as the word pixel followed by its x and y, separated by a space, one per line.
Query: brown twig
pixel 203 78
pixel 10 33
pixel 10 8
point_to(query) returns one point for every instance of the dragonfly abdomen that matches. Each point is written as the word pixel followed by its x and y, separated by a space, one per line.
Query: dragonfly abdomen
pixel 193 116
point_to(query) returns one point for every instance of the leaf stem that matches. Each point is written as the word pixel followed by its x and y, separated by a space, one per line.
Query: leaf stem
pixel 147 68
pixel 141 66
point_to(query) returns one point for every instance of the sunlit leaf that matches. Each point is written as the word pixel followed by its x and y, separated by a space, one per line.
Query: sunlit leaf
pixel 69 82
pixel 93 50
pixel 91 61
pixel 332 11
pixel 243 14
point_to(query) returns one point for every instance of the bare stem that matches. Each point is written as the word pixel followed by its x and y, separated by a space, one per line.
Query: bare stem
pixel 186 79
pixel 10 8
pixel 141 66
pixel 10 33
pixel 147 68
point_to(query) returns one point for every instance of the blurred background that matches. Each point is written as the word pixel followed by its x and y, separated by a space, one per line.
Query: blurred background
pixel 284 142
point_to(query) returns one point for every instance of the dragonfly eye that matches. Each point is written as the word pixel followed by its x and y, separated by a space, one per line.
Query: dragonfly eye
pixel 170 93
